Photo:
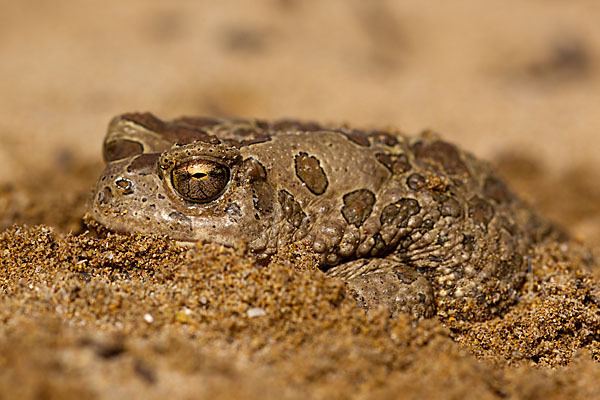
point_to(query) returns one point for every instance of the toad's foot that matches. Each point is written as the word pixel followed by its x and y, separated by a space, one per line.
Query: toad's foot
pixel 387 283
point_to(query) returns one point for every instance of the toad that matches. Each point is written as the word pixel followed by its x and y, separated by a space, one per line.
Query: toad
pixel 413 224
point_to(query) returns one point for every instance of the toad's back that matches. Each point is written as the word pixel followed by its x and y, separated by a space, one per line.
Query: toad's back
pixel 412 223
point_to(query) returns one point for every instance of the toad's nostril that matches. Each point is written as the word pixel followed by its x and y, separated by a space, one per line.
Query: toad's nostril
pixel 125 185
pixel 105 195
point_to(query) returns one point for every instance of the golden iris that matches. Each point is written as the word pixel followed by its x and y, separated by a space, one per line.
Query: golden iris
pixel 200 181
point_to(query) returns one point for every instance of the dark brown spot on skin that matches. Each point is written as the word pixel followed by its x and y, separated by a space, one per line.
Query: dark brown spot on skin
pixel 262 197
pixel 416 181
pixel 496 190
pixel 120 149
pixel 292 210
pixel 356 137
pixel 396 163
pixel 146 120
pixel 443 153
pixel 451 208
pixel 144 164
pixel 399 212
pixel 176 132
pixel 480 211
pixel 254 170
pixel 383 137
pixel 358 206
pixel 262 192
pixel 309 170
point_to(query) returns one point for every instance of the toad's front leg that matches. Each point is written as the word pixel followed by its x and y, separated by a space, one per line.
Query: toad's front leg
pixel 382 282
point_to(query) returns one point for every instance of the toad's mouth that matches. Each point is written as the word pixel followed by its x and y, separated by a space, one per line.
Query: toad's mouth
pixel 99 228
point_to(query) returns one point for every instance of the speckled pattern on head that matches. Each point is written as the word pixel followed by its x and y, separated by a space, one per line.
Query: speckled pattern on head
pixel 411 223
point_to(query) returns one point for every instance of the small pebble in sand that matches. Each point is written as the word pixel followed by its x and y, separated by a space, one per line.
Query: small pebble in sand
pixel 256 312
pixel 148 318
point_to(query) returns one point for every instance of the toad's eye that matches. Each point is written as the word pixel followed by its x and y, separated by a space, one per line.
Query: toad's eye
pixel 200 181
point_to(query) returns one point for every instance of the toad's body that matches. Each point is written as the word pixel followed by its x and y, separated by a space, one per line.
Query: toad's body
pixel 412 223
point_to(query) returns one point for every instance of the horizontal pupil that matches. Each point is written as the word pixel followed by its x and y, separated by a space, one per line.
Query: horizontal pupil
pixel 200 182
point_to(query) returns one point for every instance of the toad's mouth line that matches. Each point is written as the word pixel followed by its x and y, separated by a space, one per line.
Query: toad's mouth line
pixel 97 227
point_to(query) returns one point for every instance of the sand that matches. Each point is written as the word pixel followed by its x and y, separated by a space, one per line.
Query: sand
pixel 86 313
